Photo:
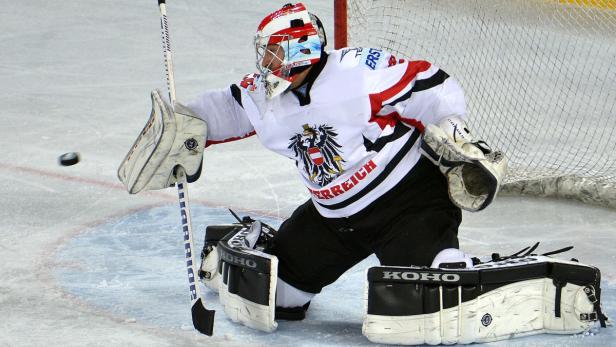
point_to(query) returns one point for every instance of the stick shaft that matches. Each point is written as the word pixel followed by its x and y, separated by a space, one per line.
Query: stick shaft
pixel 164 27
pixel 188 235
pixel 182 185
pixel 203 319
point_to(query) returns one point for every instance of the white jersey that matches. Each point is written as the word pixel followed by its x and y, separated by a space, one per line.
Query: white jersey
pixel 353 129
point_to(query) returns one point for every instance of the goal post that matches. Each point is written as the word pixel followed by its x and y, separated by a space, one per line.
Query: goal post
pixel 340 23
pixel 539 78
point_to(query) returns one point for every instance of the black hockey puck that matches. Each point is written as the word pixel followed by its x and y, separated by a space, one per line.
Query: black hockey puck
pixel 68 159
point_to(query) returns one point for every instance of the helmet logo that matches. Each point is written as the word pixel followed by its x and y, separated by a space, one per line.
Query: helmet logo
pixel 295 23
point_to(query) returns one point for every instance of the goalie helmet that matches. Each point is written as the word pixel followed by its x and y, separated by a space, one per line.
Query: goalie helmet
pixel 288 41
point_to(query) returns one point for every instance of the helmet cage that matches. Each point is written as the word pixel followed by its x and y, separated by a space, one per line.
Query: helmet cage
pixel 279 54
pixel 271 57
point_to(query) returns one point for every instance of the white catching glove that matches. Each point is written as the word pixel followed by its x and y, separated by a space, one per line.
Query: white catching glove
pixel 474 171
pixel 168 140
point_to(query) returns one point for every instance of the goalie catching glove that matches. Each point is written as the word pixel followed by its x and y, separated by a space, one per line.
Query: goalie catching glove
pixel 474 172
pixel 171 138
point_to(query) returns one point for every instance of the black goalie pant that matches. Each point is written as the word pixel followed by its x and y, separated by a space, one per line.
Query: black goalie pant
pixel 408 225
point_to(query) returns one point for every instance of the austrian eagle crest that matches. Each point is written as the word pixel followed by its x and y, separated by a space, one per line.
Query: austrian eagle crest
pixel 316 148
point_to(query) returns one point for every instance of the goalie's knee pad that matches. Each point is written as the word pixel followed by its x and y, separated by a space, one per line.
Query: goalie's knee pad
pixel 452 258
pixel 492 301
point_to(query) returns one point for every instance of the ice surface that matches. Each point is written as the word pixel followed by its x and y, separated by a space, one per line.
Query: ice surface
pixel 132 267
pixel 84 263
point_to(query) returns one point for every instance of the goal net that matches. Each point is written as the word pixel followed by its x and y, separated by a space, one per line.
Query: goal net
pixel 539 78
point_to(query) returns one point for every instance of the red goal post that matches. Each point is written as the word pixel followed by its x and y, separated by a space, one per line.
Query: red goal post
pixel 539 78
pixel 340 24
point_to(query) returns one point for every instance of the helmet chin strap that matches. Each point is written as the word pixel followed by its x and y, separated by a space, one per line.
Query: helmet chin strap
pixel 298 70
pixel 302 73
pixel 273 82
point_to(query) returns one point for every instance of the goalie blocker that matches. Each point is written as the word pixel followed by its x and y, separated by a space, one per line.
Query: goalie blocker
pixel 491 301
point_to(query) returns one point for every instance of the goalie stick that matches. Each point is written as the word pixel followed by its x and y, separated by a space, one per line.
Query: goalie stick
pixel 203 319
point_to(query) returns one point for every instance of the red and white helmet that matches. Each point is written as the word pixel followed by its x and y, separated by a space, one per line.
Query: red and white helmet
pixel 287 42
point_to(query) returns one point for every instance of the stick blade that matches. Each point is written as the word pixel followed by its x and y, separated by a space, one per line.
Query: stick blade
pixel 203 319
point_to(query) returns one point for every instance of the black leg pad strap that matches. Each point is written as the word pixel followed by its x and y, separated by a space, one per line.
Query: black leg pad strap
pixel 292 313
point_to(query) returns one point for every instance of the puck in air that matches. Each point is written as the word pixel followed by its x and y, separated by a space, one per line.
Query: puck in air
pixel 68 159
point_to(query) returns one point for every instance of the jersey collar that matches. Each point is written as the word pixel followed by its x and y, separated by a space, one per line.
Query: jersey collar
pixel 303 91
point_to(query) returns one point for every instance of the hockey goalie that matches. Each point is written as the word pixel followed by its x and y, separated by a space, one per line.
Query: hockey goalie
pixel 384 150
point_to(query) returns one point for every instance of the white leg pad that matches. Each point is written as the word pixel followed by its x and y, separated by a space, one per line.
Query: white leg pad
pixel 525 307
pixel 248 280
pixel 515 310
pixel 248 313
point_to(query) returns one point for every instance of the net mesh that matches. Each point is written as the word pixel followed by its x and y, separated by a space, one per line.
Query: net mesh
pixel 539 76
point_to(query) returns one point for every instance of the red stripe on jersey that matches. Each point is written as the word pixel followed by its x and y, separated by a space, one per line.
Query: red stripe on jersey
pixel 412 69
pixel 383 121
pixel 215 142
pixel 413 122
pixel 392 118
